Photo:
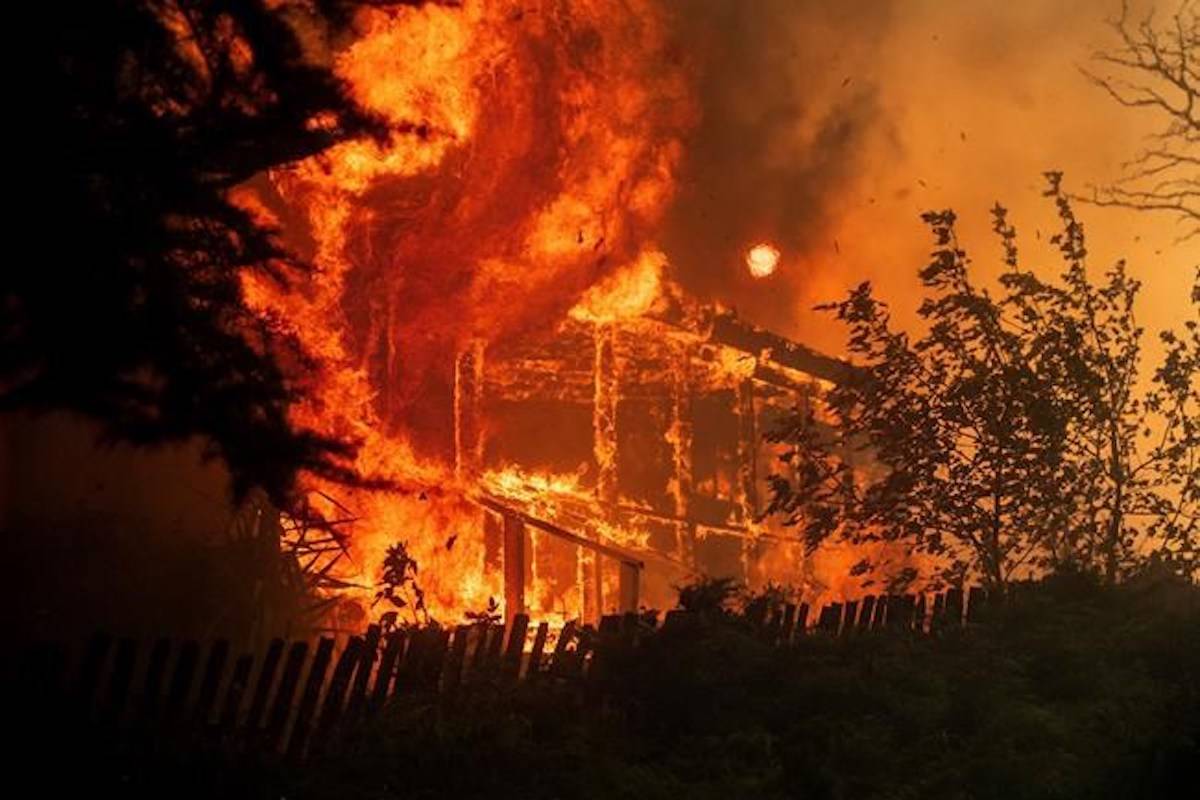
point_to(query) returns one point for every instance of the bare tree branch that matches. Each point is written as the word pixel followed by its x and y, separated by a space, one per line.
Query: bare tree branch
pixel 1157 67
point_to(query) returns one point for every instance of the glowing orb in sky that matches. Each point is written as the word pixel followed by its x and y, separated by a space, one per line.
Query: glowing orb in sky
pixel 762 259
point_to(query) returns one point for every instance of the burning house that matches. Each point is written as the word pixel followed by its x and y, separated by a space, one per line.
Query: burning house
pixel 566 429
pixel 618 455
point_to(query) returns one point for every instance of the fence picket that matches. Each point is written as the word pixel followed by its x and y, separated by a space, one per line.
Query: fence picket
pixel 356 705
pixel 534 667
pixel 308 699
pixel 387 669
pixel 282 707
pixel 331 711
pixel 239 681
pixel 214 669
pixel 262 690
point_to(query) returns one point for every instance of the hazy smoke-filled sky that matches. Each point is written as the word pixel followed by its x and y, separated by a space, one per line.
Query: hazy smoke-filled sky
pixel 828 128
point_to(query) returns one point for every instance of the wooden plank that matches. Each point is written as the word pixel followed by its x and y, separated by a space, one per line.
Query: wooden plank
pixel 604 412
pixel 516 646
pixel 335 695
pixel 938 617
pixel 605 644
pixel 281 708
pixel 266 680
pixel 789 621
pixel 534 667
pixel 494 647
pixel 559 663
pixel 881 603
pixel 907 612
pixel 831 618
pixel 977 603
pixel 434 661
pixel 954 606
pixel 482 634
pixel 356 705
pixel 850 619
pixel 181 679
pixel 308 698
pixel 453 674
pixel 919 615
pixel 867 613
pixel 515 538
pixel 585 645
pixel 210 683
pixel 891 610
pixel 385 675
pixel 747 451
pixel 239 681
pixel 560 532
pixel 629 586
pixel 410 666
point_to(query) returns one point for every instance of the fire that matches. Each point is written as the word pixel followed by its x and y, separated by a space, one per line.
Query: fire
pixel 532 153
pixel 627 294
pixel 762 260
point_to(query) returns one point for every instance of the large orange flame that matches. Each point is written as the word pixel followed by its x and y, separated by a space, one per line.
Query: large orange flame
pixel 533 154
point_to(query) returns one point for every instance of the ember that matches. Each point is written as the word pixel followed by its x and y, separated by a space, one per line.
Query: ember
pixel 762 260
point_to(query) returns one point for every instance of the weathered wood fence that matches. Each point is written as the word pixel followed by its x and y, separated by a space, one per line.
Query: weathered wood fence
pixel 294 698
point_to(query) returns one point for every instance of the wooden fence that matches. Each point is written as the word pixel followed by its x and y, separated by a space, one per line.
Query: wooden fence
pixel 294 698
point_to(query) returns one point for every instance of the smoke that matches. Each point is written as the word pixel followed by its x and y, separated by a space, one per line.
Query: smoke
pixel 788 115
pixel 827 128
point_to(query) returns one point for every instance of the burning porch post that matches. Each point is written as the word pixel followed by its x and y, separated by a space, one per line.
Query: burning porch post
pixel 629 586
pixel 604 415
pixel 604 444
pixel 680 436
pixel 747 465
pixel 468 399
pixel 516 540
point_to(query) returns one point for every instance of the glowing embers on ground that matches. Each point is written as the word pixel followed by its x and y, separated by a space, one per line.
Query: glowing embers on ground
pixel 762 260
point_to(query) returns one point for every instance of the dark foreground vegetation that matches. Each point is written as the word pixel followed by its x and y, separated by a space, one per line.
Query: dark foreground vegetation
pixel 1074 690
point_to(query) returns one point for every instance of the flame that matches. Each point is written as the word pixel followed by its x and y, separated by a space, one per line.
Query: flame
pixel 532 154
pixel 762 260
pixel 628 294
pixel 533 149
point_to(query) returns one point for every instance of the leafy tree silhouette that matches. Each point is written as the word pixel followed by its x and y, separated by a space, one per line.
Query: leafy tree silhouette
pixel 1132 454
pixel 963 432
pixel 146 115
pixel 1012 433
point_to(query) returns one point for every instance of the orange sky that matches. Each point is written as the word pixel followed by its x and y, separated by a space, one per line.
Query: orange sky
pixel 945 105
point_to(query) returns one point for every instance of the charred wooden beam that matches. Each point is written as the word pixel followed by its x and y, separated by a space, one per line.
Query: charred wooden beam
pixel 681 437
pixel 560 532
pixel 604 415
pixel 515 547
pixel 468 400
pixel 629 589
pixel 747 451
pixel 729 330
pixel 591 585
